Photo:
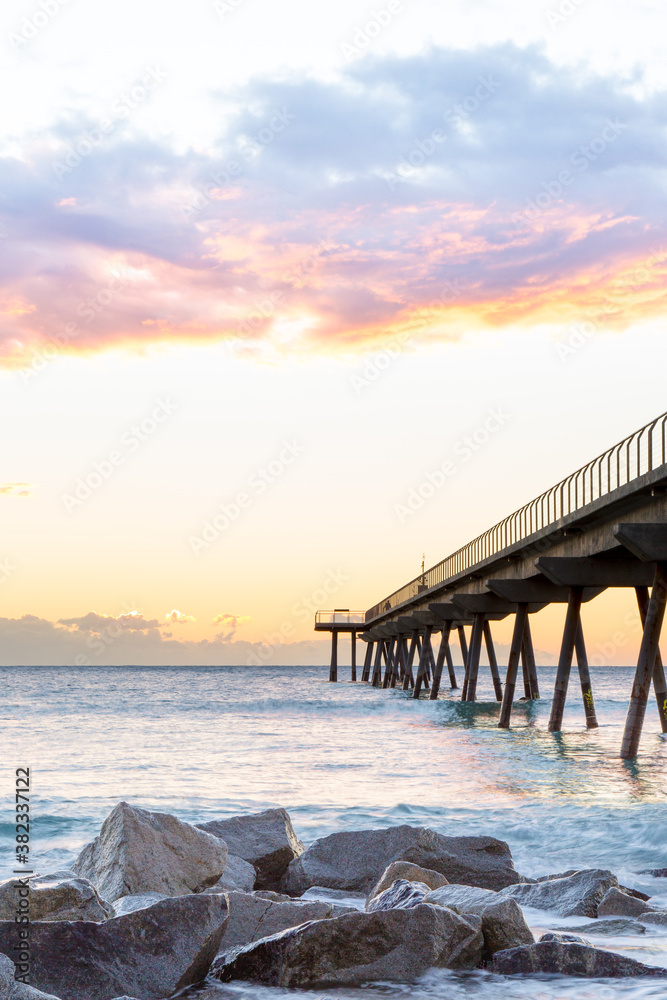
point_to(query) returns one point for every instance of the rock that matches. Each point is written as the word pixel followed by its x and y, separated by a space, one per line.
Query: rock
pixel 654 918
pixel 151 953
pixel 388 945
pixel 569 960
pixel 238 876
pixel 128 904
pixel 60 896
pixel 565 938
pixel 503 923
pixel 461 898
pixel 654 872
pixel 355 860
pixel 575 895
pixel 409 872
pixel 618 904
pixel 634 892
pixel 400 895
pixel 138 851
pixel 275 897
pixel 252 918
pixel 609 926
pixel 12 990
pixel 550 878
pixel 266 840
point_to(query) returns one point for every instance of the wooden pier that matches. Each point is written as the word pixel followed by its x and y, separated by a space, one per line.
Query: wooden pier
pixel 604 526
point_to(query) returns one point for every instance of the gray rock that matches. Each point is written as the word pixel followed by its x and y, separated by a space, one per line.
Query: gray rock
pixel 655 918
pixel 409 872
pixel 655 872
pixel 550 878
pixel 503 923
pixel 151 953
pixel 569 960
pixel 565 938
pixel 610 926
pixel 389 945
pixel 616 903
pixel 355 860
pixel 60 896
pixel 252 918
pixel 400 895
pixel 128 904
pixel 575 895
pixel 138 851
pixel 275 897
pixel 266 840
pixel 461 898
pixel 238 876
pixel 12 990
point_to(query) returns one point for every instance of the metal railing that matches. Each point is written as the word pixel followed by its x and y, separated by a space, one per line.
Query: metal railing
pixel 631 458
pixel 340 617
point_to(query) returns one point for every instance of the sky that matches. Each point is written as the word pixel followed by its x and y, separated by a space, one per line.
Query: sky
pixel 265 268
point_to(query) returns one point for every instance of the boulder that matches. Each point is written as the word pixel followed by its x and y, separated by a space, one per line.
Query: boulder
pixel 389 945
pixel 655 872
pixel 655 918
pixel 150 953
pixel 503 923
pixel 275 897
pixel 138 851
pixel 355 860
pixel 400 895
pixel 610 926
pixel 12 990
pixel 575 895
pixel 266 840
pixel 616 903
pixel 409 872
pixel 238 876
pixel 252 918
pixel 60 896
pixel 128 904
pixel 568 959
pixel 565 938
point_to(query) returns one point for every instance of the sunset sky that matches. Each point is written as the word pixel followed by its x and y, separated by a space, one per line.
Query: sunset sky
pixel 267 266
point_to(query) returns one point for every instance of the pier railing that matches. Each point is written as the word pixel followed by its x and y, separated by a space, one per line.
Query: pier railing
pixel 339 617
pixel 631 458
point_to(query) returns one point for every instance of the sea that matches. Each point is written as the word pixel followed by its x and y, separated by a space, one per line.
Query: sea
pixel 213 742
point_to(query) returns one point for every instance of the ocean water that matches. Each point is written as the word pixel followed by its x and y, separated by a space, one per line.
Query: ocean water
pixel 207 742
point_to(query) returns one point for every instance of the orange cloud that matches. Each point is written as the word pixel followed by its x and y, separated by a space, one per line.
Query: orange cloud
pixel 178 618
pixel 15 489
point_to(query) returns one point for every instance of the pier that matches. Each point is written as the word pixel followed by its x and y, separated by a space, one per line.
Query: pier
pixel 603 526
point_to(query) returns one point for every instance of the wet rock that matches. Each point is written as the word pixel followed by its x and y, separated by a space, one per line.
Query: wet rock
pixel 150 953
pixel 569 960
pixel 238 876
pixel 461 898
pixel 655 872
pixel 565 938
pixel 252 918
pixel 354 860
pixel 400 895
pixel 654 918
pixel 610 926
pixel 550 878
pixel 503 923
pixel 60 896
pixel 275 897
pixel 138 851
pixel 618 904
pixel 12 990
pixel 266 840
pixel 409 872
pixel 634 892
pixel 128 904
pixel 575 895
pixel 388 945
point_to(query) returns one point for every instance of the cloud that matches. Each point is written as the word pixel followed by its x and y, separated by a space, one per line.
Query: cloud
pixel 427 194
pixel 231 623
pixel 15 489
pixel 178 618
pixel 102 640
pixel 94 622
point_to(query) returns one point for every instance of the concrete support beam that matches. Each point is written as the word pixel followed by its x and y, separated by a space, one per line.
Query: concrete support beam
pixel 472 666
pixel 530 685
pixel 595 572
pixel 488 604
pixel 565 659
pixel 353 656
pixel 520 622
pixel 368 659
pixel 659 683
pixel 333 666
pixel 443 653
pixel 648 652
pixel 647 542
pixel 493 662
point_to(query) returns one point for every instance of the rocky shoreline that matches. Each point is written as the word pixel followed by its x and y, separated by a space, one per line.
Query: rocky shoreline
pixel 154 905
